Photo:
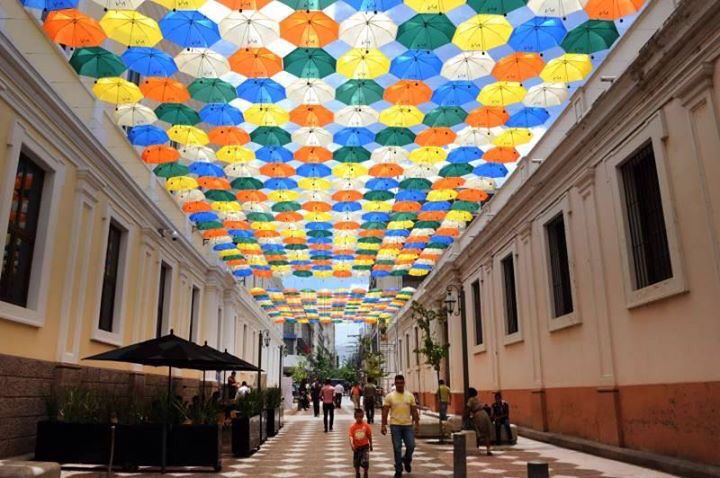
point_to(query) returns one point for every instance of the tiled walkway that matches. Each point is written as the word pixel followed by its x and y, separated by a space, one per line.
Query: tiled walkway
pixel 302 449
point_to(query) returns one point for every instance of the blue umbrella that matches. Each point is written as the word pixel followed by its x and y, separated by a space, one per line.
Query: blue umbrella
pixel 416 245
pixel 416 65
pixel 379 273
pixel 280 183
pixel 373 5
pixel 50 4
pixel 318 226
pixel 346 206
pixel 261 90
pixel 189 28
pixel 149 61
pixel 422 266
pixel 221 114
pixel 242 272
pixel 464 154
pixel 274 154
pixel 203 216
pixel 381 184
pixel 436 206
pixel 224 247
pixel 240 233
pixel 343 257
pixel 455 93
pixel 397 233
pixel 320 267
pixel 441 239
pixel 354 136
pixel 490 170
pixel 537 34
pixel 319 240
pixel 376 216
pixel 147 134
pixel 204 168
pixel 313 170
pixel 528 117
pixel 410 195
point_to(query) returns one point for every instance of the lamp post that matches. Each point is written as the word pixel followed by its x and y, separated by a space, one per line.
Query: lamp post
pixel 263 339
pixel 454 291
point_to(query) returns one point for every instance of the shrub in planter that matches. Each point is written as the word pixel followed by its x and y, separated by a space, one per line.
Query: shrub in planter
pixel 246 436
pixel 273 400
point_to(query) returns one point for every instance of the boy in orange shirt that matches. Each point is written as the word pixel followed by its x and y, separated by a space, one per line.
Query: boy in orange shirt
pixel 361 443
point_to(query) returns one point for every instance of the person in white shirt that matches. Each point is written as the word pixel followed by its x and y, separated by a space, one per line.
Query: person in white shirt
pixel 242 391
pixel 339 390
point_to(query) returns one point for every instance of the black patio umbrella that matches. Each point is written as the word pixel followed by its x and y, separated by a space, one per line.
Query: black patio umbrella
pixel 230 362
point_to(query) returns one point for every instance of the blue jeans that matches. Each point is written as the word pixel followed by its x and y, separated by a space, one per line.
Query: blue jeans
pixel 399 434
pixel 443 410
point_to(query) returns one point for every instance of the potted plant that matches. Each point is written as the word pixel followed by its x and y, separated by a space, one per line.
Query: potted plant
pixel 273 399
pixel 246 426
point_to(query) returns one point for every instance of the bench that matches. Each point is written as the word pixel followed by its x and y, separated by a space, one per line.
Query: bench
pixel 29 469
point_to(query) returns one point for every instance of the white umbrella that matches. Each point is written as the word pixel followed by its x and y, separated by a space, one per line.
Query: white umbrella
pixel 554 8
pixel 471 136
pixel 310 91
pixel 191 195
pixel 231 215
pixel 546 94
pixel 249 28
pixel 421 171
pixel 311 136
pixel 197 153
pixel 322 196
pixel 133 115
pixel 468 65
pixel 241 170
pixel 253 206
pixel 343 184
pixel 214 241
pixel 356 115
pixel 479 182
pixel 368 30
pixel 346 217
pixel 421 231
pixel 389 154
pixel 202 63
pixel 119 4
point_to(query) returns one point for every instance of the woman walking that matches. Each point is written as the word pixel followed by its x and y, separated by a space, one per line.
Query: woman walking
pixel 478 418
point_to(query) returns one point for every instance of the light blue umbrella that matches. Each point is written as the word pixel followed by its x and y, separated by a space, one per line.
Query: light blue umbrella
pixel 346 206
pixel 280 183
pixel 274 154
pixel 205 168
pixel 50 4
pixel 147 134
pixel 464 154
pixel 353 136
pixel 490 170
pixel 149 61
pixel 313 170
pixel 528 117
pixel 455 93
pixel 261 90
pixel 189 28
pixel 537 34
pixel 220 114
pixel 416 65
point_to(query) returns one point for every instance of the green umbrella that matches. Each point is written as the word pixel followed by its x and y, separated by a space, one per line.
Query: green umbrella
pixel 359 92
pixel 296 247
pixel 309 63
pixel 403 216
pixel 369 240
pixel 447 116
pixel 590 37
pixel 212 90
pixel 497 7
pixel 366 252
pixel 378 196
pixel 453 170
pixel 285 206
pixel 177 113
pixel 397 273
pixel 270 136
pixel 419 184
pixel 233 257
pixel 244 240
pixel 246 183
pixel 385 262
pixel 437 245
pixel 351 154
pixel 302 273
pixel 308 4
pixel 278 263
pixel 468 206
pixel 260 217
pixel 362 268
pixel 170 170
pixel 427 224
pixel 426 31
pixel 394 136
pixel 96 62
pixel 219 195
pixel 205 225
pixel 320 233
pixel 373 225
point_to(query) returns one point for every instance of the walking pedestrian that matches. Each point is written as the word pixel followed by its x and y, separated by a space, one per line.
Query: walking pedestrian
pixel 315 395
pixel 339 390
pixel 361 443
pixel 369 394
pixel 355 393
pixel 443 394
pixel 303 395
pixel 401 407
pixel 327 394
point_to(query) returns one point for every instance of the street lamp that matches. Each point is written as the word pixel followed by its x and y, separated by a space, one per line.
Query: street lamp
pixel 450 300
pixel 456 295
pixel 263 339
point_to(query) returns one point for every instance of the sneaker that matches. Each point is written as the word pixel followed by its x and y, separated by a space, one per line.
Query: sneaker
pixel 397 474
pixel 408 468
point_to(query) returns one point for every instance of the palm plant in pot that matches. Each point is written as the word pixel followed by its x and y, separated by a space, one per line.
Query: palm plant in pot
pixel 246 425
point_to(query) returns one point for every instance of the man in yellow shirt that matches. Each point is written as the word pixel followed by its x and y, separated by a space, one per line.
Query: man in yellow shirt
pixel 401 407
pixel 443 399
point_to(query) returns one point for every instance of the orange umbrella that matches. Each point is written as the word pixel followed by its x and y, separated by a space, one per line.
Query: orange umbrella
pixel 419 238
pixel 487 116
pixel 346 225
pixel 294 240
pixel 435 137
pixel 277 170
pixel 268 233
pixel 310 28
pixel 448 231
pixel 518 66
pixel 347 195
pixel 474 195
pixel 311 115
pixel 316 206
pixel 255 62
pixel 250 195
pixel 312 154
pixel 289 216
pixel 432 215
pixel 262 273
pixel 159 153
pixel 73 28
pixel 342 273
pixel 320 247
pixel 611 9
pixel 386 170
pixel 408 92
pixel 209 233
pixel 501 154
pixel 244 4
pixel 225 135
pixel 406 206
pixel 164 90
pixel 372 233
pixel 234 224
pixel 212 182
pixel 448 183
pixel 196 206
pixel 236 262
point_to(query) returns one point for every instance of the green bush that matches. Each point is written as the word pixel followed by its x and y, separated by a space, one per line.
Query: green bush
pixel 251 404
pixel 273 397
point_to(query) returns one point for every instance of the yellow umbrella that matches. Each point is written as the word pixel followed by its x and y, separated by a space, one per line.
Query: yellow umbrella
pixel 266 114
pixel 116 90
pixel 363 63
pixel 433 6
pixel 501 93
pixel 315 184
pixel 512 137
pixel 234 153
pixel 344 240
pixel 442 195
pixel 377 206
pixel 292 233
pixel 317 216
pixel 262 226
pixel 181 4
pixel 226 206
pixel 459 216
pixel 131 28
pixel 349 170
pixel 181 183
pixel 482 32
pixel 428 155
pixel 185 134
pixel 279 195
pixel 401 116
pixel 418 272
pixel 400 224
pixel 566 68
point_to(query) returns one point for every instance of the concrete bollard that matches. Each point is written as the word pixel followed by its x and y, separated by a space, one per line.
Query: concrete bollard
pixel 538 469
pixel 459 456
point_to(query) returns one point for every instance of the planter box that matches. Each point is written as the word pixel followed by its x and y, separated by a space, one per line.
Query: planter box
pixel 85 443
pixel 282 414
pixel 272 421
pixel 194 445
pixel 245 435
pixel 138 445
pixel 263 426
